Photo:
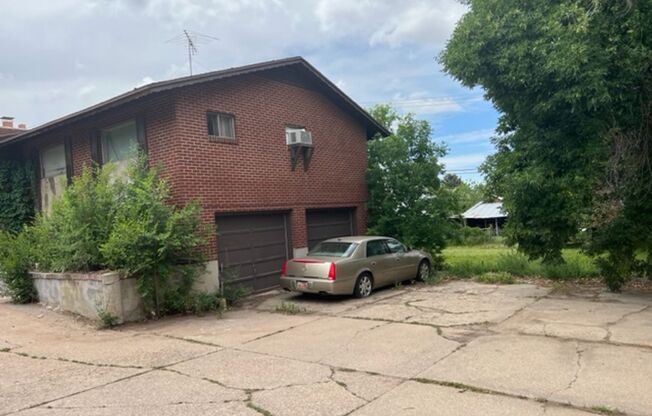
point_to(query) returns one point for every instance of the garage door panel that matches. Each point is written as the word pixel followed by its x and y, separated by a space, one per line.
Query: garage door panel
pixel 325 224
pixel 252 248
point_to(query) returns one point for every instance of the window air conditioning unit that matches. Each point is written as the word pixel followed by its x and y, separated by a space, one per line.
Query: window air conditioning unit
pixel 298 137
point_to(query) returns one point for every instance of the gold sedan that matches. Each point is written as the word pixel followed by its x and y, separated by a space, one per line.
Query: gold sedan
pixel 354 265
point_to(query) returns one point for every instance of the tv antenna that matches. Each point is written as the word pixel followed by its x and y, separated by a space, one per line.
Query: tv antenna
pixel 191 40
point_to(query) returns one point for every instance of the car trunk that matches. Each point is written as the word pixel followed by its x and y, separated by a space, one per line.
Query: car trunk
pixel 310 267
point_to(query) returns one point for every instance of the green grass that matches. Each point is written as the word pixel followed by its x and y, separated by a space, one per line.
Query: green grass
pixel 467 262
pixel 503 278
pixel 289 308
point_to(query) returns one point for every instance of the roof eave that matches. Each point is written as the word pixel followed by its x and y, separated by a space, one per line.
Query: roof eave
pixel 373 127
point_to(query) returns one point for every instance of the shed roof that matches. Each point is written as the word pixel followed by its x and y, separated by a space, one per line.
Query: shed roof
pixel 295 66
pixel 483 210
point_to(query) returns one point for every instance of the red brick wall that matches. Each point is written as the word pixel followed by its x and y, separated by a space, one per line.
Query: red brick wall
pixel 253 174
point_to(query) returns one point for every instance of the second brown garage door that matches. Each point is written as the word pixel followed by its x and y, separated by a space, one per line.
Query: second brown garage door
pixel 328 223
pixel 252 248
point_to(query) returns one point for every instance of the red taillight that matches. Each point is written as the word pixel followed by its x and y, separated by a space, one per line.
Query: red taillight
pixel 284 268
pixel 332 272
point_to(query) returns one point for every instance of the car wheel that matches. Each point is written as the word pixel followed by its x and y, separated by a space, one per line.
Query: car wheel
pixel 424 270
pixel 363 286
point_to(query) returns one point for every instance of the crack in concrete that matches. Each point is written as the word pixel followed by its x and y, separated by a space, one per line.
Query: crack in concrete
pixel 79 392
pixel 147 371
pixel 627 315
pixel 350 340
pixel 73 361
pixel 131 406
pixel 280 331
pixel 442 311
pixel 586 341
pixel 579 367
pixel 344 386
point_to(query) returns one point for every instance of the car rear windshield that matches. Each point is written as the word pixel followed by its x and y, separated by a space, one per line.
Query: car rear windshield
pixel 333 249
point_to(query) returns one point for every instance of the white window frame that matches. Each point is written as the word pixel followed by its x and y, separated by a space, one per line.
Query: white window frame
pixel 42 157
pixel 213 119
pixel 104 150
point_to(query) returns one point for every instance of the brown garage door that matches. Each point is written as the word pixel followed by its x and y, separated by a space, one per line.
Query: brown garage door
pixel 252 248
pixel 324 224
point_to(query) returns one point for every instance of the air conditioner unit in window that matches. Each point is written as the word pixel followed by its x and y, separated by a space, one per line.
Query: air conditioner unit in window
pixel 298 137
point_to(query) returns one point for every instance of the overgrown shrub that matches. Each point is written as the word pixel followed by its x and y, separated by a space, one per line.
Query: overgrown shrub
pixel 515 263
pixel 234 293
pixel 16 195
pixel 70 236
pixel 152 239
pixel 131 226
pixel 15 262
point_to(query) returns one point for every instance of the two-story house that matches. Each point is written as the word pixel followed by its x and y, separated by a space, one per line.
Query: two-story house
pixel 274 151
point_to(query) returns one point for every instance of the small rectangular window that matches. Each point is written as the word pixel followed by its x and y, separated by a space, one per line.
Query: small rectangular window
pixel 120 142
pixel 53 161
pixel 221 125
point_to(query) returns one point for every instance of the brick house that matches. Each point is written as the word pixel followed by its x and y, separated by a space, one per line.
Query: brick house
pixel 274 151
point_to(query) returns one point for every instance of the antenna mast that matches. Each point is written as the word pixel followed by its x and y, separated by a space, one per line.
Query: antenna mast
pixel 191 40
pixel 191 49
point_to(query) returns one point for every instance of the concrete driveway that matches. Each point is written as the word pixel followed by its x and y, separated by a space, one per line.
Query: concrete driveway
pixel 456 349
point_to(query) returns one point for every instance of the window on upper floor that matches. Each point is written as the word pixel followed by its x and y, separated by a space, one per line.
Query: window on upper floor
pixel 221 125
pixel 53 161
pixel 119 142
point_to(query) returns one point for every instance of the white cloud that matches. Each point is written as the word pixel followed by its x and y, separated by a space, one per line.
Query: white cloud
pixel 117 44
pixel 86 90
pixel 473 136
pixel 391 23
pixel 422 106
pixel 145 81
pixel 468 161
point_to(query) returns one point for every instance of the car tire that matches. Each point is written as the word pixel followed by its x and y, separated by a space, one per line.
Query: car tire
pixel 423 271
pixel 364 285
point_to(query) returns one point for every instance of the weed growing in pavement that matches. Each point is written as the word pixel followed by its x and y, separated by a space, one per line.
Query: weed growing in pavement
pixel 107 320
pixel 289 308
pixel 605 410
pixel 501 278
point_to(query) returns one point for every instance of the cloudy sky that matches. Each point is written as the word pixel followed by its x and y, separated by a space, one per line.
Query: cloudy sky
pixel 60 56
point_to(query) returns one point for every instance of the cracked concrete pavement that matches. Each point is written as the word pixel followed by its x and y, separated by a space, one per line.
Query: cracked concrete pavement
pixel 459 348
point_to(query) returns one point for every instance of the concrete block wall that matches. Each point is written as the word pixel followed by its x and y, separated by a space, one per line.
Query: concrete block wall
pixel 88 294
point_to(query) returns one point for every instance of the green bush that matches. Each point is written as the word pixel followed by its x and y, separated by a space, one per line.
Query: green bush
pixel 101 222
pixel 515 263
pixel 17 187
pixel 70 236
pixel 234 293
pixel 151 238
pixel 15 262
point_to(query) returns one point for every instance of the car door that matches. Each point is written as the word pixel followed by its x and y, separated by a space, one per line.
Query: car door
pixel 380 262
pixel 403 263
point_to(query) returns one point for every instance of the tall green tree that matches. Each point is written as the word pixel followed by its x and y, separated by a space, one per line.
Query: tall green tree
pixel 406 196
pixel 572 81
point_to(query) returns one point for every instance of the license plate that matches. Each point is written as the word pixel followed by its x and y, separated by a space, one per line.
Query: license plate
pixel 302 285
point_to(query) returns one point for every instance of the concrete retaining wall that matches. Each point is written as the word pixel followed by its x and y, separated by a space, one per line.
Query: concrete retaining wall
pixel 87 294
